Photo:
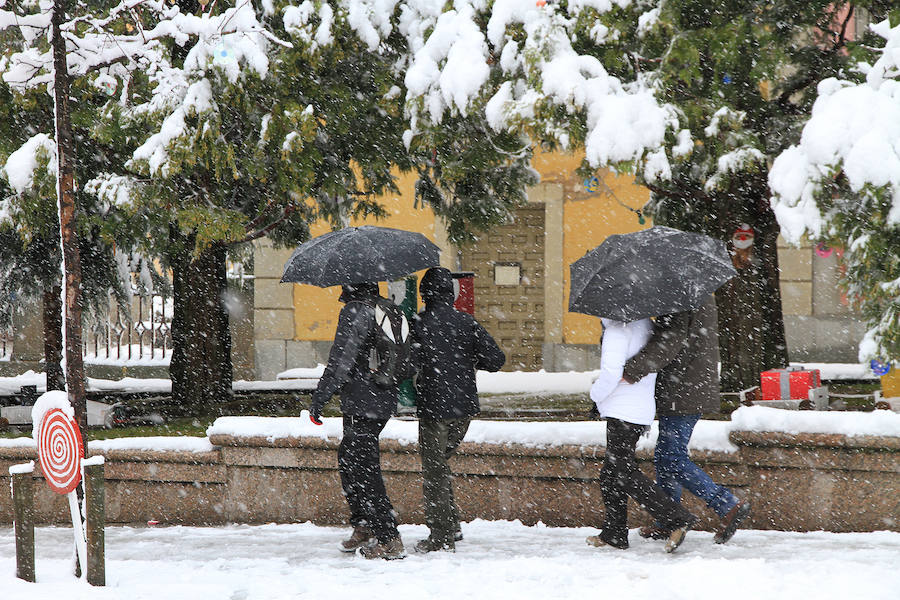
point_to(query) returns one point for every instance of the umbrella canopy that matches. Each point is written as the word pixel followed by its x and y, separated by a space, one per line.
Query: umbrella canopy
pixel 360 254
pixel 648 273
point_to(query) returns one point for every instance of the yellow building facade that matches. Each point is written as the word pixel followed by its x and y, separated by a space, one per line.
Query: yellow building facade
pixel 522 279
pixel 564 218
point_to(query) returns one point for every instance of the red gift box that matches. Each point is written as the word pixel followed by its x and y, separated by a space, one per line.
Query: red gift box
pixel 788 384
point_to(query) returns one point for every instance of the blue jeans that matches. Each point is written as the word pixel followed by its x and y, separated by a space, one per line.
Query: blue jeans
pixel 674 470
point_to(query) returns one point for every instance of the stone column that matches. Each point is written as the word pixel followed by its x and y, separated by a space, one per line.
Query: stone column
pixel 273 310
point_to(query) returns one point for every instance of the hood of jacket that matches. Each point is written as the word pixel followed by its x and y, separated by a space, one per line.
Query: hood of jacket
pixel 437 286
pixel 359 291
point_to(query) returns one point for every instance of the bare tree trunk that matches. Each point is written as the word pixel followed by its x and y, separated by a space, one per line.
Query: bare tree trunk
pixel 201 368
pixel 65 146
pixel 53 344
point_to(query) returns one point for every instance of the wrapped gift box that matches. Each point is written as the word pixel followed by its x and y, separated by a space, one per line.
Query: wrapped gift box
pixel 788 384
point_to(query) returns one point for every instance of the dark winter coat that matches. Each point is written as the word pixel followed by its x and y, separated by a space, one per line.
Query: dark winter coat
pixel 684 352
pixel 449 345
pixel 347 371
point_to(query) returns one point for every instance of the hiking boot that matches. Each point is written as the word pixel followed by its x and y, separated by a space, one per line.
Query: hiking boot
pixel 362 536
pixel 654 532
pixel 389 550
pixel 676 537
pixel 732 521
pixel 431 544
pixel 599 542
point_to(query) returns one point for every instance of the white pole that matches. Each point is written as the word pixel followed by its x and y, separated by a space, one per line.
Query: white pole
pixel 80 543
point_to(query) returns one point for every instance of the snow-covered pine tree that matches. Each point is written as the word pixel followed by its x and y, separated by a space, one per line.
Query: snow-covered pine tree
pixel 741 77
pixel 840 184
pixel 30 250
pixel 494 81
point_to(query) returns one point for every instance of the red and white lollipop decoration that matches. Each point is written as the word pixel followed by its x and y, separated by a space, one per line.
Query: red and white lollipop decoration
pixel 60 451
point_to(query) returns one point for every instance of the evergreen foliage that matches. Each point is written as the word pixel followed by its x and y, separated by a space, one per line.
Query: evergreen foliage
pixel 741 77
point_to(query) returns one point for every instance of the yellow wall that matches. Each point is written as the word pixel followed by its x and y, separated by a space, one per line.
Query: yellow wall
pixel 316 309
pixel 587 220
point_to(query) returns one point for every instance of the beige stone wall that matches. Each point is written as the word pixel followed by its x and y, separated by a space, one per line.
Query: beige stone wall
pixel 794 482
pixel 819 324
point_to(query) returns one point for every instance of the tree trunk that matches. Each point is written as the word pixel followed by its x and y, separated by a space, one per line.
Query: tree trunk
pixel 200 368
pixel 751 324
pixel 71 267
pixel 53 344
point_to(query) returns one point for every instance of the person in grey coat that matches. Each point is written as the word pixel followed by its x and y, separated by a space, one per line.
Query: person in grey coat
pixel 366 408
pixel 448 345
pixel 684 352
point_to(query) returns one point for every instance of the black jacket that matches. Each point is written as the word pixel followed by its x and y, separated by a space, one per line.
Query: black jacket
pixel 684 352
pixel 347 371
pixel 449 345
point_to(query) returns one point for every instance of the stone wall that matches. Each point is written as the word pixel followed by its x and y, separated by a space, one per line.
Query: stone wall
pixel 794 482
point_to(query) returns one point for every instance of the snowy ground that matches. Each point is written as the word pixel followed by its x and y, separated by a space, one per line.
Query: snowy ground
pixel 498 559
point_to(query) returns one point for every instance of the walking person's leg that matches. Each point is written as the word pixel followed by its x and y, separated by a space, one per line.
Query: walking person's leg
pixel 615 513
pixel 455 435
pixel 437 486
pixel 675 470
pixel 351 488
pixel 364 459
pixel 639 487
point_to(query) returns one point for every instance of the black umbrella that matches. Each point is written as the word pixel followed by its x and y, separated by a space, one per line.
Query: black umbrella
pixel 360 254
pixel 648 273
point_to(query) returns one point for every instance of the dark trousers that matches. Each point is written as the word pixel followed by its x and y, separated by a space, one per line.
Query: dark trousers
pixel 438 440
pixel 621 478
pixel 359 464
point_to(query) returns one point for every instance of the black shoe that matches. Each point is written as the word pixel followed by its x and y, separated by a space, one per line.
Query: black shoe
pixel 732 521
pixel 457 535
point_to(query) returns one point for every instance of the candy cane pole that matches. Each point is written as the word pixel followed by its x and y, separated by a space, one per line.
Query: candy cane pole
pixel 78 528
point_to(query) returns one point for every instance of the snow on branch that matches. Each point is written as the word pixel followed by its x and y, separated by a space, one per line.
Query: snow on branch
pixel 854 132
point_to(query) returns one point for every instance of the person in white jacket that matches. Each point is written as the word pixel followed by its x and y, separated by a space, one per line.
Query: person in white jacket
pixel 628 410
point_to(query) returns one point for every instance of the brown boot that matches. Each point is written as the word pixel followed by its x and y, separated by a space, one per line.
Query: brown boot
pixel 676 537
pixel 390 550
pixel 732 521
pixel 362 537
pixel 431 544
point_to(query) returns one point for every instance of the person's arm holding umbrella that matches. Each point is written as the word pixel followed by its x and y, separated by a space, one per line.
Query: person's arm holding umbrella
pixel 670 335
pixel 352 330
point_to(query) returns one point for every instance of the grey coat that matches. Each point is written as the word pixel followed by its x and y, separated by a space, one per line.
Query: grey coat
pixel 684 351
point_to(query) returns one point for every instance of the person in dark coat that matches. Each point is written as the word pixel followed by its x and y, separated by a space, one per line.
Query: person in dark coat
pixel 366 408
pixel 684 352
pixel 448 345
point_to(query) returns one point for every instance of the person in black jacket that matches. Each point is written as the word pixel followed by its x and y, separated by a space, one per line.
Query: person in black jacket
pixel 448 345
pixel 366 408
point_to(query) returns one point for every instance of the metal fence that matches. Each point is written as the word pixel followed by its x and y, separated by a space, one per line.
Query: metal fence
pixel 140 335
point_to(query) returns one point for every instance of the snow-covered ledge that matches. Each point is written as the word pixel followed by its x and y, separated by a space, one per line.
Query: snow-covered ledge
pixel 801 471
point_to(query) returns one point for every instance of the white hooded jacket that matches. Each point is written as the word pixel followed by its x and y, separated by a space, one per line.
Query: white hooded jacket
pixel 633 403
